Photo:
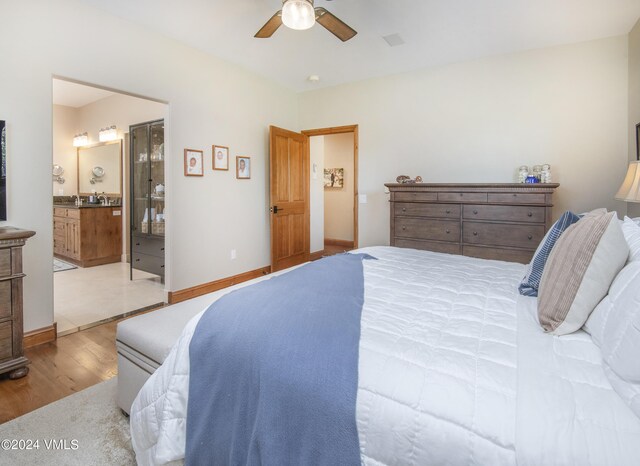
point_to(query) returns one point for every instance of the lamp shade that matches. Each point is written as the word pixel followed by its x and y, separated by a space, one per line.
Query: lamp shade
pixel 630 189
pixel 298 14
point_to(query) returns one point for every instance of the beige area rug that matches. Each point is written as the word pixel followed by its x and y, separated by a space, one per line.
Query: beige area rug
pixel 86 428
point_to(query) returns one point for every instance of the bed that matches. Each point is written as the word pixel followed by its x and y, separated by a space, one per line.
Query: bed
pixel 453 369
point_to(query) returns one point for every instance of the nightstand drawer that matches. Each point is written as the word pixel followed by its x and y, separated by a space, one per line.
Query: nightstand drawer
pixel 5 262
pixel 502 234
pixel 6 341
pixel 439 230
pixel 504 213
pixel 420 209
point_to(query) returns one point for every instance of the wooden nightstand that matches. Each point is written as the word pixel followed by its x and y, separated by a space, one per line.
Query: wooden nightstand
pixel 12 358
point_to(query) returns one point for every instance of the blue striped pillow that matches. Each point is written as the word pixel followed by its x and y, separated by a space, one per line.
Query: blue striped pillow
pixel 531 280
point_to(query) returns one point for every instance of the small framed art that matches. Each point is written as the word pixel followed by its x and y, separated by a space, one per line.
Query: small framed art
pixel 220 157
pixel 193 165
pixel 243 168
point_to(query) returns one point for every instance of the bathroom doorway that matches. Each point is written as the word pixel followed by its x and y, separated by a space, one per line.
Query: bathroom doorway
pixel 91 197
pixel 333 186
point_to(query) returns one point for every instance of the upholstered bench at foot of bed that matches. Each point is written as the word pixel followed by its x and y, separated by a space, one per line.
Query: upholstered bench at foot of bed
pixel 143 343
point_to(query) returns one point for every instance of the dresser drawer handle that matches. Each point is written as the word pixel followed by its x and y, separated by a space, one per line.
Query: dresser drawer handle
pixel 530 237
pixel 448 231
pixel 162 266
pixel 530 214
pixel 162 249
pixel 404 228
pixel 137 260
pixel 515 195
pixel 137 244
pixel 404 209
pixel 448 211
pixel 475 212
pixel 475 233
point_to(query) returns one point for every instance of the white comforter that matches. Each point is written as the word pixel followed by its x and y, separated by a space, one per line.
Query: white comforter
pixel 440 371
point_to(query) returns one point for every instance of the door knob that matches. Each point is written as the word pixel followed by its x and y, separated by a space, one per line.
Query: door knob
pixel 275 209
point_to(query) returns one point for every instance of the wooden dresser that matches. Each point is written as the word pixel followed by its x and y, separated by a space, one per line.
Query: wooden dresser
pixel 88 236
pixel 12 358
pixel 491 221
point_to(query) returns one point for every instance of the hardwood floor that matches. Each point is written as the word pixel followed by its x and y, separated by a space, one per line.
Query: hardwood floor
pixel 72 363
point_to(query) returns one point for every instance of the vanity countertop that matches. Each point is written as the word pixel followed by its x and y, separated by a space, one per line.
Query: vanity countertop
pixel 83 206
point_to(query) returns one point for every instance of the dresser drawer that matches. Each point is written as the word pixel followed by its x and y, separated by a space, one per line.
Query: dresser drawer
pixel 447 248
pixel 6 344
pixel 517 198
pixel 439 230
pixel 502 234
pixel 151 246
pixel 418 197
pixel 5 299
pixel 420 209
pixel 504 213
pixel 5 262
pixel 462 197
pixel 151 264
pixel 507 255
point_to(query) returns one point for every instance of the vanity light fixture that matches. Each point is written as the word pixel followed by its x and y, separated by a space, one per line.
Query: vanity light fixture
pixel 109 133
pixel 80 140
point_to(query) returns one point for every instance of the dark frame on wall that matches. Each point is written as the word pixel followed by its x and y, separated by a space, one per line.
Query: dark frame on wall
pixel 638 141
pixel 3 171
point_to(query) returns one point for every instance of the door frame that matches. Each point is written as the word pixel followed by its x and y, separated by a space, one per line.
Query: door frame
pixel 341 130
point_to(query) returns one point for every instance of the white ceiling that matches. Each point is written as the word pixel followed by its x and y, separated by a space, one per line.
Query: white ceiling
pixel 76 95
pixel 435 32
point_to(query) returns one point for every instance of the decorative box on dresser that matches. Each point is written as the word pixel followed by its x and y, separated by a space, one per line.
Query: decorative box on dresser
pixel 12 358
pixel 490 221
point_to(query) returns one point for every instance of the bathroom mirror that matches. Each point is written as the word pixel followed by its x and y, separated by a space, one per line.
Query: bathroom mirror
pixel 100 169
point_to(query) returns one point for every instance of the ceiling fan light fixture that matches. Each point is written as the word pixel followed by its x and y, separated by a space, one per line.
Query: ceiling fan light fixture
pixel 298 14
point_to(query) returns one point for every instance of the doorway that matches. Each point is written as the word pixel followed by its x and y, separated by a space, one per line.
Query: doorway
pixel 333 160
pixel 91 206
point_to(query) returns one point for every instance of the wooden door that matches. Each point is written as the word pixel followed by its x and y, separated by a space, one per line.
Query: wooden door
pixel 289 196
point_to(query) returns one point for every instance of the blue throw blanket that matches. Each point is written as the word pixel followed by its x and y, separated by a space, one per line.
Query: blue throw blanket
pixel 274 370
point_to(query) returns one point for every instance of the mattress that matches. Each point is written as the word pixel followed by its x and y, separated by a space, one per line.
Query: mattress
pixel 440 371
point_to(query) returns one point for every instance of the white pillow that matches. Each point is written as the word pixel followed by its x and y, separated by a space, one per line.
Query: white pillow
pixel 631 232
pixel 597 321
pixel 621 336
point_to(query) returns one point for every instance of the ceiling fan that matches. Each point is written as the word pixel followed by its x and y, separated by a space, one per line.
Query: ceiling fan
pixel 300 15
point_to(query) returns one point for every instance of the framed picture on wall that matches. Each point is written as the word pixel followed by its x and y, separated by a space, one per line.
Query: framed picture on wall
pixel 220 157
pixel 193 165
pixel 638 141
pixel 334 177
pixel 243 168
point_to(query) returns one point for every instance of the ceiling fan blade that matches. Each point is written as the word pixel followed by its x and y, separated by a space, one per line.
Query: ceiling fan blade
pixel 335 26
pixel 270 26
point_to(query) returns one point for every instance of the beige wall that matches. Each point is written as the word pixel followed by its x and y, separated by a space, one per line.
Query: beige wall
pixel 211 102
pixel 634 101
pixel 316 193
pixel 65 126
pixel 338 202
pixel 478 121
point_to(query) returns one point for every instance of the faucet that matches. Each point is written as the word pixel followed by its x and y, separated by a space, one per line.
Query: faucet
pixel 104 200
pixel 76 202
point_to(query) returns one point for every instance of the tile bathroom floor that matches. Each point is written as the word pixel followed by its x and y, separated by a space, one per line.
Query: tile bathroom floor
pixel 85 296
